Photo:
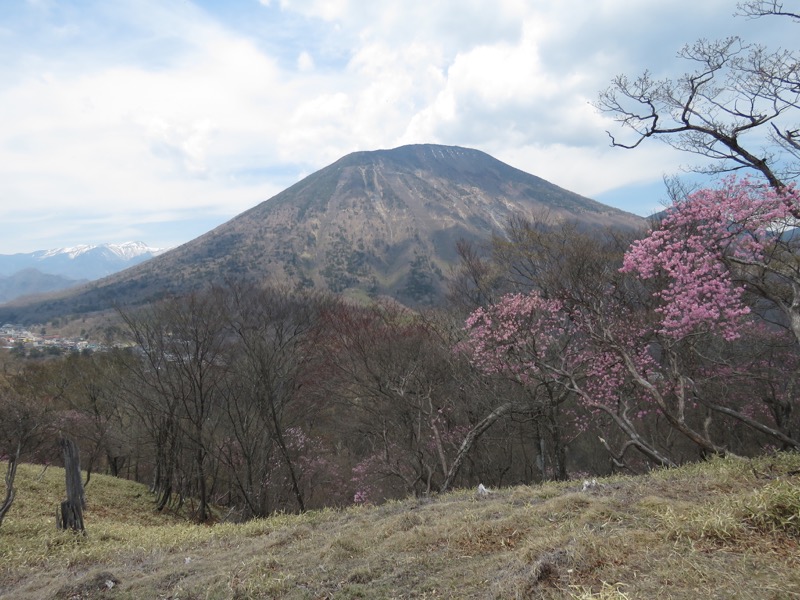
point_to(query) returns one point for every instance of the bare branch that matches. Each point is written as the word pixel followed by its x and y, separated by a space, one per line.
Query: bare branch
pixel 754 9
pixel 718 110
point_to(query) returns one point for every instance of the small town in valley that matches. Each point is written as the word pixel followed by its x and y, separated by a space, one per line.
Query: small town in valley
pixel 34 341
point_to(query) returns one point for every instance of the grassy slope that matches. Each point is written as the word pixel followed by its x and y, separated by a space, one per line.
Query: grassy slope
pixel 724 529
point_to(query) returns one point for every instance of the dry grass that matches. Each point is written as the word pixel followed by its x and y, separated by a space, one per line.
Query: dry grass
pixel 722 529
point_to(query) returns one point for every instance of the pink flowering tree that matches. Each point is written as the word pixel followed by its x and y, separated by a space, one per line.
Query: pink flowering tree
pixel 715 258
pixel 538 341
pixel 644 351
pixel 497 348
pixel 718 244
pixel 657 337
pixel 567 335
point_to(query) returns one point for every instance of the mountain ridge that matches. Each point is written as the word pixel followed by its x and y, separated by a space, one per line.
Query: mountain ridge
pixel 84 261
pixel 125 250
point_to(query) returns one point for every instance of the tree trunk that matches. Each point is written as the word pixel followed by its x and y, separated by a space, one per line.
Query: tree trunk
pixel 293 476
pixel 202 486
pixel 11 474
pixel 471 438
pixel 70 515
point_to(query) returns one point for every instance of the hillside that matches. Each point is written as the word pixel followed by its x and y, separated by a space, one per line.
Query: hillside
pixel 32 281
pixel 375 223
pixel 722 529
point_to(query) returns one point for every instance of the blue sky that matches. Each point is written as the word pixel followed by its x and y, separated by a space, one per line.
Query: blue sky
pixel 157 120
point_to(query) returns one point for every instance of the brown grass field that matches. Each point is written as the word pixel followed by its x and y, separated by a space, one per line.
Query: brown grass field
pixel 727 528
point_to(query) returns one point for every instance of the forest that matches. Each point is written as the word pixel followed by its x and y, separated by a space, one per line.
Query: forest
pixel 560 353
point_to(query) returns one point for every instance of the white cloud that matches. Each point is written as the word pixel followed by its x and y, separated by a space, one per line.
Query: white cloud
pixel 305 62
pixel 125 136
pixel 138 112
pixel 328 10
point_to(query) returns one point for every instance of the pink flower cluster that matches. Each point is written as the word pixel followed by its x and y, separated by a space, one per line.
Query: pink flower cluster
pixel 510 335
pixel 690 248
pixel 532 339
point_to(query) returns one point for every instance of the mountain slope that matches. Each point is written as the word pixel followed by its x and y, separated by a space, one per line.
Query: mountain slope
pixel 384 222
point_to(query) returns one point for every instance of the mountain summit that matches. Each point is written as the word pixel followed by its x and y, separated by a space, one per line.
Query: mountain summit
pixel 382 222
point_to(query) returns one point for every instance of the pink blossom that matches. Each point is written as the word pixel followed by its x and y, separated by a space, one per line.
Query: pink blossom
pixel 689 248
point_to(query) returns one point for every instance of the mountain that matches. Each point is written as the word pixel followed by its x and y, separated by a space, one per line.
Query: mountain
pixel 80 262
pixel 383 222
pixel 32 281
pixel 61 268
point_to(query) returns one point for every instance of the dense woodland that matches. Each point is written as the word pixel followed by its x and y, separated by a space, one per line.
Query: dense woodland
pixel 561 351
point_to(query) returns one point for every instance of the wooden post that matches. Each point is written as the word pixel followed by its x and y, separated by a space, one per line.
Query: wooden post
pixel 70 515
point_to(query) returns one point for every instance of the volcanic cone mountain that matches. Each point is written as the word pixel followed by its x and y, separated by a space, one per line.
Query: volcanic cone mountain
pixel 384 222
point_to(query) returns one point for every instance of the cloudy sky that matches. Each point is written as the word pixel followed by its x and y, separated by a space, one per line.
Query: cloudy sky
pixel 157 120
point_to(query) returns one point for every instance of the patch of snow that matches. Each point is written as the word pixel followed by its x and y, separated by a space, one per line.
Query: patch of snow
pixel 72 252
pixel 130 250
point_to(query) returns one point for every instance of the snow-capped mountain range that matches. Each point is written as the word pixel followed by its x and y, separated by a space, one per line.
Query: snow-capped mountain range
pixel 59 268
pixel 126 251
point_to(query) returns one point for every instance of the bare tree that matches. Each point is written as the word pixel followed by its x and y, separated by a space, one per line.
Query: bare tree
pixel 473 282
pixel 91 393
pixel 737 105
pixel 177 385
pixel 25 419
pixel 397 383
pixel 273 329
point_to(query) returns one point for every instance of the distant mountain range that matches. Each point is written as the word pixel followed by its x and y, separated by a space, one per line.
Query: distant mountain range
pixel 384 222
pixel 42 271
